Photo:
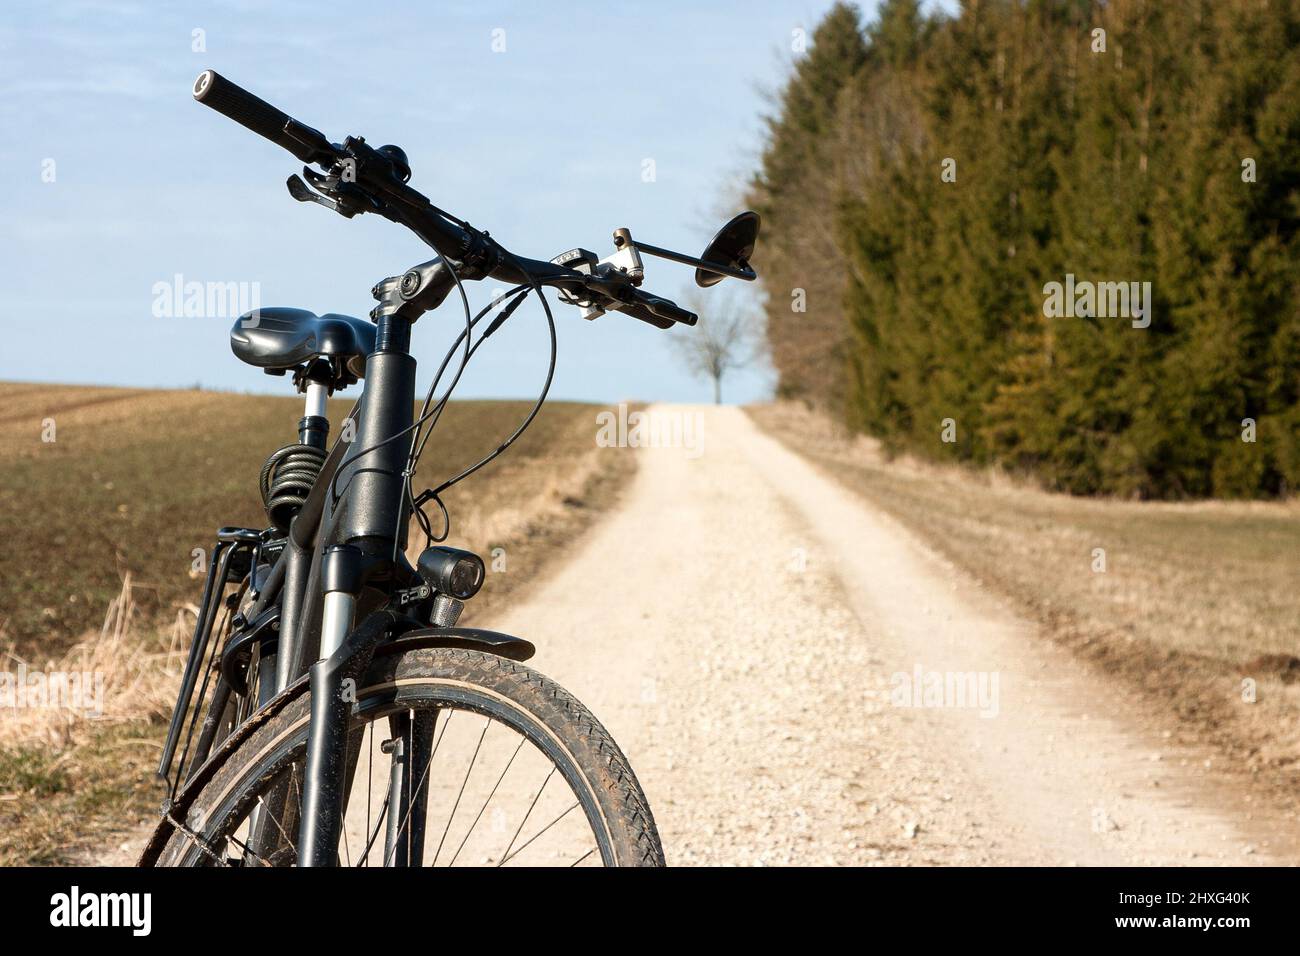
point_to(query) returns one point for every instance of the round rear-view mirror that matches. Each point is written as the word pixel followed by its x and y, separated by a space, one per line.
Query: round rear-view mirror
pixel 731 248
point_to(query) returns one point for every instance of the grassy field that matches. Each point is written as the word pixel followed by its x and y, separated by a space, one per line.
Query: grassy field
pixel 1194 599
pixel 134 481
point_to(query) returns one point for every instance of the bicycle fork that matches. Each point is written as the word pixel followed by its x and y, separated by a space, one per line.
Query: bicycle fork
pixel 334 681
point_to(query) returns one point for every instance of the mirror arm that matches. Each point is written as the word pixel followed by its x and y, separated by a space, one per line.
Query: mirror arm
pixel 723 270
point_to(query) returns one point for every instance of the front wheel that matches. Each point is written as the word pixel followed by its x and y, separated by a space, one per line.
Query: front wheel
pixel 456 757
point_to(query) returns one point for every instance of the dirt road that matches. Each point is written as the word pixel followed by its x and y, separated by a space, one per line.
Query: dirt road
pixel 750 632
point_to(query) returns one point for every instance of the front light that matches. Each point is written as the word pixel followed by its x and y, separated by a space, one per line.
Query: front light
pixel 452 571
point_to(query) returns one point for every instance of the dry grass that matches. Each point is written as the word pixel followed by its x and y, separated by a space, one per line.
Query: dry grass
pixel 69 779
pixel 67 768
pixel 1195 598
pixel 137 678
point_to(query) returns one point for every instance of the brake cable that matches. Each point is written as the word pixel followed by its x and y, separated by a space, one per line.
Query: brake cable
pixel 432 415
pixel 401 194
pixel 428 494
pixel 546 388
pixel 495 324
pixel 435 494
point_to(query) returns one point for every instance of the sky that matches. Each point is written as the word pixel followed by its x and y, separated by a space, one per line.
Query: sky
pixel 537 122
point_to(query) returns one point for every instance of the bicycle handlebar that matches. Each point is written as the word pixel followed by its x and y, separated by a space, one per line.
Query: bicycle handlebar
pixel 399 202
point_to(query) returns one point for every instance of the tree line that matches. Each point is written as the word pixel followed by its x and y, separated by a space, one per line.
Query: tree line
pixel 1058 236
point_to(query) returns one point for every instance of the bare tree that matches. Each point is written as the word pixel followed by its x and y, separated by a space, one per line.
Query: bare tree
pixel 728 336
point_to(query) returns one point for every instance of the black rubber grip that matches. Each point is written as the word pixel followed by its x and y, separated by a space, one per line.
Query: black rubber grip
pixel 214 90
pixel 670 310
pixel 640 311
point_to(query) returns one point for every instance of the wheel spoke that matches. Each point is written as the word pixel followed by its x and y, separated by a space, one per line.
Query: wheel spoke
pixel 248 852
pixel 505 856
pixel 536 835
pixel 456 805
pixel 374 834
pixel 370 776
pixel 478 816
pixel 274 819
pixel 347 847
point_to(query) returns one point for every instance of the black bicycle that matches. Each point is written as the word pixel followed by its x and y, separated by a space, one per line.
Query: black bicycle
pixel 331 711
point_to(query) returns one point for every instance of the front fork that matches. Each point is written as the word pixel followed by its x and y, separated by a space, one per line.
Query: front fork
pixel 331 762
pixel 334 681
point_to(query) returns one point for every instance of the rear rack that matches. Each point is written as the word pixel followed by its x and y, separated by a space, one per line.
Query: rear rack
pixel 237 553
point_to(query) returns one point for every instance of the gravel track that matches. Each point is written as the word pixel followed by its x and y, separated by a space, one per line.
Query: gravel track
pixel 738 624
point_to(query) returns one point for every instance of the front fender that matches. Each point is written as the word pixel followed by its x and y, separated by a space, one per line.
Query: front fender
pixel 470 638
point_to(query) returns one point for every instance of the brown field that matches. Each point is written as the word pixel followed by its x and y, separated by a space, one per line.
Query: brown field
pixel 1195 599
pixel 137 479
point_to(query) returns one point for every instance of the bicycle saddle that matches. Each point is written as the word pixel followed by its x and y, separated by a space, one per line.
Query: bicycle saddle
pixel 284 338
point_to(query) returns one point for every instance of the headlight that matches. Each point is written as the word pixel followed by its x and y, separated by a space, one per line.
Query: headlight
pixel 452 571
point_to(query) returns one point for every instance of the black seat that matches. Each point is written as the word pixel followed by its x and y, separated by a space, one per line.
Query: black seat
pixel 283 338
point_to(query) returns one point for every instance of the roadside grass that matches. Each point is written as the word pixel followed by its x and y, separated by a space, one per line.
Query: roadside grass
pixel 1196 610
pixel 100 526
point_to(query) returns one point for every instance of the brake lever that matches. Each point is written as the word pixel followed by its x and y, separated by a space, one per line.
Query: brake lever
pixel 332 192
pixel 300 191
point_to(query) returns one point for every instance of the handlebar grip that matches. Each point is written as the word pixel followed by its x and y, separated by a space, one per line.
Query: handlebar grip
pixel 214 90
pixel 669 310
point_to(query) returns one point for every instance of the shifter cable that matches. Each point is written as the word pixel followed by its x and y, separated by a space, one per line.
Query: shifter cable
pixel 432 415
pixel 435 494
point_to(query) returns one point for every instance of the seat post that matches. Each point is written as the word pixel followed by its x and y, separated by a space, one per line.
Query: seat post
pixel 314 381
pixel 317 394
pixel 314 427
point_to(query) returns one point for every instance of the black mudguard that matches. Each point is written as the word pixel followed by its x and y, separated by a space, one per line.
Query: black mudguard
pixel 471 638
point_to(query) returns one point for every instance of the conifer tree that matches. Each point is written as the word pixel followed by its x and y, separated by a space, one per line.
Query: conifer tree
pixel 942 172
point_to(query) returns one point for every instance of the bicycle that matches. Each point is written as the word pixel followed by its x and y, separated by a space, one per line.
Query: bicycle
pixel 325 669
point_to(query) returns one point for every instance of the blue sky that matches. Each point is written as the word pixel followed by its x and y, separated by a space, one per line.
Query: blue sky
pixel 544 144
